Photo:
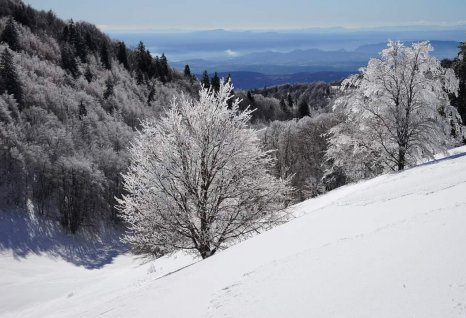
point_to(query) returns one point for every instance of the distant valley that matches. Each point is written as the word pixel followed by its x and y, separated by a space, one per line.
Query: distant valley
pixel 257 58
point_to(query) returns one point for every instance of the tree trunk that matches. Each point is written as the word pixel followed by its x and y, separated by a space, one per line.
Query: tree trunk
pixel 401 158
pixel 205 251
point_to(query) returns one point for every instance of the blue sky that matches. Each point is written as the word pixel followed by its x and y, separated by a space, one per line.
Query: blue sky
pixel 112 15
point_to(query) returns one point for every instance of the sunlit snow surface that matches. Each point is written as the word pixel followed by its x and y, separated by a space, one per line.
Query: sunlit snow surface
pixel 393 246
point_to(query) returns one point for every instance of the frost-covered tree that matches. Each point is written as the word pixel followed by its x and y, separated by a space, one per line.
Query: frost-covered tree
pixel 198 179
pixel 9 80
pixel 397 112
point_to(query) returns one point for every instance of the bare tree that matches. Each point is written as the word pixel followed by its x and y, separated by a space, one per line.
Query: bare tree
pixel 199 179
pixel 397 111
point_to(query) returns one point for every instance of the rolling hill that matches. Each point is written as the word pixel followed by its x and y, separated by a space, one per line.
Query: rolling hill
pixel 392 246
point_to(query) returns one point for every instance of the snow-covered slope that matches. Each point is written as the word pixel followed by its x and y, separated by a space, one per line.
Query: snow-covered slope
pixel 393 246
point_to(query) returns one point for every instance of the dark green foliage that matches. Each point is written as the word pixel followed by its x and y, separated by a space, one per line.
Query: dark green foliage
pixel 105 58
pixel 38 21
pixel 80 48
pixel 146 67
pixel 82 110
pixel 9 80
pixel 154 67
pixel 446 63
pixel 284 107
pixel 10 35
pixel 290 100
pixel 215 82
pixel 122 55
pixel 250 97
pixel 25 15
pixel 187 71
pixel 69 32
pixel 75 39
pixel 205 79
pixel 88 75
pixel 68 61
pixel 139 77
pixel 228 79
pixel 164 70
pixel 109 88
pixel 303 109
pixel 151 96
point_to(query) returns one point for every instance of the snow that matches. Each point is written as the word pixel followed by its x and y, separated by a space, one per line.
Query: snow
pixel 393 246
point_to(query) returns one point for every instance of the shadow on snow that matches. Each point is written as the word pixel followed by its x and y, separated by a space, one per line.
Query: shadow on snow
pixel 23 234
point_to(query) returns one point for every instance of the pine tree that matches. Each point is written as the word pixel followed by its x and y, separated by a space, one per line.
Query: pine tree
pixel 164 69
pixel 283 106
pixel 105 56
pixel 228 79
pixel 151 95
pixel 80 47
pixel 71 32
pixel 215 82
pixel 139 77
pixel 187 71
pixel 122 55
pixel 109 87
pixel 10 35
pixel 205 79
pixel 82 110
pixel 68 60
pixel 250 97
pixel 146 67
pixel 290 100
pixel 303 109
pixel 9 80
pixel 154 67
pixel 88 75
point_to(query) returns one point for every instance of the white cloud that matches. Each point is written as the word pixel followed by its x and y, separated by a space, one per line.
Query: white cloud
pixel 231 53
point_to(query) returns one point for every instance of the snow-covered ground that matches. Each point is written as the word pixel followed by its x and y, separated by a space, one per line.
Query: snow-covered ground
pixel 393 246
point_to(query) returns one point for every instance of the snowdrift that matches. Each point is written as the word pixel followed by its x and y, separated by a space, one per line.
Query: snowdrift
pixel 393 246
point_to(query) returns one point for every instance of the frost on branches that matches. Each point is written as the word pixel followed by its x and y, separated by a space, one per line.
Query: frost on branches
pixel 397 112
pixel 198 179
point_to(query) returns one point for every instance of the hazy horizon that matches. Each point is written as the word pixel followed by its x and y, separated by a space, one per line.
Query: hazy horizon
pixel 260 15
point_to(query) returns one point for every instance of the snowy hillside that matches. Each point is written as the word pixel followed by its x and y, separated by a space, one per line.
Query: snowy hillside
pixel 394 246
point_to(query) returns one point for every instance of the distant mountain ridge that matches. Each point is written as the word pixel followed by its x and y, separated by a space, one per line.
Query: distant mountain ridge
pixel 268 68
pixel 251 80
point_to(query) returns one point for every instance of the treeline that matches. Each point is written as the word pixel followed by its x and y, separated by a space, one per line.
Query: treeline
pixel 284 102
pixel 288 102
pixel 71 100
